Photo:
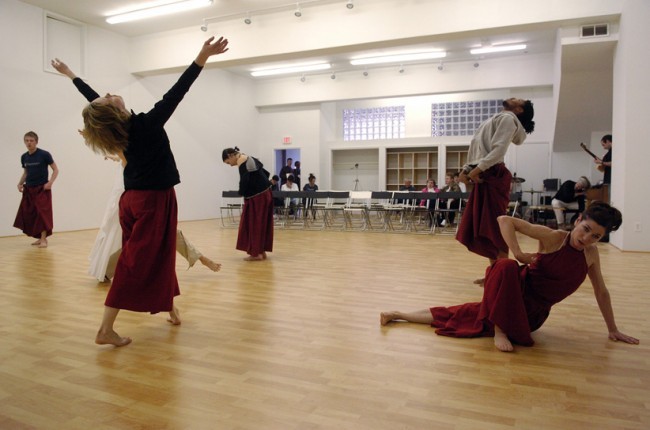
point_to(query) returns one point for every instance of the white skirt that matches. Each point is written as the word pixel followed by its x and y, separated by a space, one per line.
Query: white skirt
pixel 109 237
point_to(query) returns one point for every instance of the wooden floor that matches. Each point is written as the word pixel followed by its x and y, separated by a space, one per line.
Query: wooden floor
pixel 295 343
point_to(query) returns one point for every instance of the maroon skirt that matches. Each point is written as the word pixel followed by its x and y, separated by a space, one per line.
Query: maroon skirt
pixel 145 275
pixel 35 212
pixel 479 230
pixel 256 226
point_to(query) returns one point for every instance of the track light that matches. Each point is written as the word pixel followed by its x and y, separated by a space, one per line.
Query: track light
pixel 165 9
pixel 204 27
pixel 441 67
pixel 476 65
pixel 248 20
pixel 298 12
pixel 365 73
pixel 350 4
pixel 401 69
pixel 333 76
pixel 303 78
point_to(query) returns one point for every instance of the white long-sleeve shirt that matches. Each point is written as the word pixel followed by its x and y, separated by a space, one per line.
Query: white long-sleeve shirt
pixel 490 142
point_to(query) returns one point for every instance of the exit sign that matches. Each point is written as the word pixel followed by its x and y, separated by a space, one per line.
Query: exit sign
pixel 286 140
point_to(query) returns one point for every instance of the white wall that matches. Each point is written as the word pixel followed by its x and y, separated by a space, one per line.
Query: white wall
pixel 631 128
pixel 217 112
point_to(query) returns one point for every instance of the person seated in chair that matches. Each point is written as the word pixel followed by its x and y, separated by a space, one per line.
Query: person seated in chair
pixel 275 186
pixel 451 186
pixel 571 195
pixel 290 185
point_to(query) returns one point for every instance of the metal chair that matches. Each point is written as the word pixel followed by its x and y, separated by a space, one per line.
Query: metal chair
pixel 231 208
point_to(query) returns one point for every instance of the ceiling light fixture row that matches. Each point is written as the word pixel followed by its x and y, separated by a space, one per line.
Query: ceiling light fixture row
pixel 376 60
pixel 297 9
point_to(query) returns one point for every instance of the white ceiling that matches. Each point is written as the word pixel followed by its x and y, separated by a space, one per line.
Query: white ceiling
pixel 94 12
pixel 585 93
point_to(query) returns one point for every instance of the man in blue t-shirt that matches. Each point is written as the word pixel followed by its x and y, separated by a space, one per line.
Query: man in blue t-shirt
pixel 34 216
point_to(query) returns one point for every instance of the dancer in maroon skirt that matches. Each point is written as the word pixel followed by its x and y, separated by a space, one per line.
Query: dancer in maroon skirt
pixel 145 276
pixel 256 226
pixel 34 215
pixel 478 229
pixel 518 299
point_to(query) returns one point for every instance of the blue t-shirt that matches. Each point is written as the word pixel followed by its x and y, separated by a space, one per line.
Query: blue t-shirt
pixel 36 167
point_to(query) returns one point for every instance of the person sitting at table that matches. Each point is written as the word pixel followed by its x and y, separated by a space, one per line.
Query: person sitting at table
pixel 290 185
pixel 571 195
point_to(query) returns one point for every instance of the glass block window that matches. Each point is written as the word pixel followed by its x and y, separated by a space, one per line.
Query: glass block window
pixel 373 123
pixel 461 118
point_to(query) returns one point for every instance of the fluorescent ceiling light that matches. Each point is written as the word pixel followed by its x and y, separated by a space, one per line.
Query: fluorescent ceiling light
pixel 501 48
pixel 297 68
pixel 164 9
pixel 398 58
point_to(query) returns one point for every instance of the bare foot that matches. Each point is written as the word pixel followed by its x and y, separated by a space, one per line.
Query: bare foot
pixel 111 338
pixel 254 258
pixel 43 244
pixel 479 281
pixel 174 316
pixel 501 341
pixel 264 255
pixel 38 242
pixel 386 317
pixel 215 267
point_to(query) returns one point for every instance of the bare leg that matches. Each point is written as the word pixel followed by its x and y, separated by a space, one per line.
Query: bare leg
pixel 106 335
pixel 215 267
pixel 174 316
pixel 264 256
pixel 258 257
pixel 421 317
pixel 43 243
pixel 501 341
pixel 481 281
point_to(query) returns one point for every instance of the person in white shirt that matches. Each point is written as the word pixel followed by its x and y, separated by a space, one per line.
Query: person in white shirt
pixel 485 169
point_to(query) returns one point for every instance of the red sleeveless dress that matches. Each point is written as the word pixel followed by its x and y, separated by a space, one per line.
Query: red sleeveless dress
pixel 516 298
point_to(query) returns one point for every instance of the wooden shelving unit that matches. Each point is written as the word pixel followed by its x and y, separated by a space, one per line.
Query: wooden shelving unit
pixel 415 164
pixel 420 164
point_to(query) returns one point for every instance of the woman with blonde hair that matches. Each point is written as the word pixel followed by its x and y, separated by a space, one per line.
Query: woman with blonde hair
pixel 145 276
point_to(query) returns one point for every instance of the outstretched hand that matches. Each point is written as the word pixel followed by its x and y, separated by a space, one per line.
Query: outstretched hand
pixel 210 48
pixel 62 68
pixel 618 336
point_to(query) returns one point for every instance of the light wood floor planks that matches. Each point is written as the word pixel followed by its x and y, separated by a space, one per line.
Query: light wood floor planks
pixel 295 343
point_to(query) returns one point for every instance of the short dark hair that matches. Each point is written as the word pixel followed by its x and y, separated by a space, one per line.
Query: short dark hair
pixel 31 134
pixel 606 138
pixel 275 177
pixel 526 117
pixel 290 178
pixel 604 215
pixel 228 152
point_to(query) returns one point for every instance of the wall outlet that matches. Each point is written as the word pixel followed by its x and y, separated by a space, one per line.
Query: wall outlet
pixel 638 227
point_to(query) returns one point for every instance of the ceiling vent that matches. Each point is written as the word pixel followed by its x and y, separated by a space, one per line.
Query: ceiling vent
pixel 594 30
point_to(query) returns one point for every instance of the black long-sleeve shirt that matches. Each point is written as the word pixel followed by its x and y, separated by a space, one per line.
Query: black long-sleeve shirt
pixel 150 162
pixel 253 178
pixel 567 194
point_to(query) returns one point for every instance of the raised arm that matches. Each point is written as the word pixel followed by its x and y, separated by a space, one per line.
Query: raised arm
pixel 83 87
pixel 164 109
pixel 603 298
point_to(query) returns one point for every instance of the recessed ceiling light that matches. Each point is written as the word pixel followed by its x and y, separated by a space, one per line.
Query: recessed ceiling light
pixel 165 9
pixel 296 68
pixel 398 58
pixel 498 48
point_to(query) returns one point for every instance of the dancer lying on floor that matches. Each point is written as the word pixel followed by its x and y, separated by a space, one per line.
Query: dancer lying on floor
pixel 518 299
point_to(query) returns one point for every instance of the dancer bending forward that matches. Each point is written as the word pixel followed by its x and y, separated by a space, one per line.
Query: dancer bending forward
pixel 518 299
